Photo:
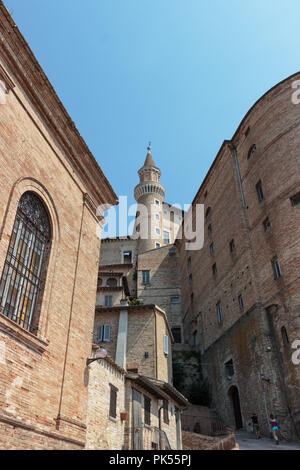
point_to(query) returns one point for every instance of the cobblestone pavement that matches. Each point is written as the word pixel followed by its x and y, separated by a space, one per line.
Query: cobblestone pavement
pixel 247 441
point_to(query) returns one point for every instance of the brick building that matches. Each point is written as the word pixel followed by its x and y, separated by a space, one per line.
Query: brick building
pixel 147 260
pixel 50 188
pixel 240 293
pixel 132 403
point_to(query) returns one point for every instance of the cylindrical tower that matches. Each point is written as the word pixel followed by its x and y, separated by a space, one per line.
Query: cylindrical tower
pixel 150 195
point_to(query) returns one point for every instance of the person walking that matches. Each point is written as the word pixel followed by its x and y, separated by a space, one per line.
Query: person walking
pixel 255 425
pixel 275 428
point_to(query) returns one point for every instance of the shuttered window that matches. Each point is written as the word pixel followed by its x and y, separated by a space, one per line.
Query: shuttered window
pixel 104 333
pixel 113 401
pixel 166 411
pixel 147 408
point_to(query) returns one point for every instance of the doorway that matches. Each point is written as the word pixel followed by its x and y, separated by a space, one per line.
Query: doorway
pixel 235 401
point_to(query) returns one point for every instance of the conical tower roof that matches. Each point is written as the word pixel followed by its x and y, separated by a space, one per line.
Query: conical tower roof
pixel 149 159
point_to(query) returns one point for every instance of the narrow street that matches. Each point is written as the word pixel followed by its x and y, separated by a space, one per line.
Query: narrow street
pixel 247 441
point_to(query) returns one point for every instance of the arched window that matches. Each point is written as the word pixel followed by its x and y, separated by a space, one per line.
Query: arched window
pixel 112 282
pixel 25 268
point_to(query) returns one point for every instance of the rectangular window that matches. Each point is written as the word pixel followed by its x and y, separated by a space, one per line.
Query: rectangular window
pixel 108 301
pixel 166 411
pixel 220 313
pixel 260 191
pixel 166 344
pixel 145 277
pixel 266 224
pixel 104 333
pixel 195 338
pixel 166 237
pixel 241 303
pixel 175 300
pixel 276 269
pixel 157 245
pixel 176 332
pixel 157 216
pixel 295 199
pixel 229 369
pixel 127 257
pixel 147 409
pixel 157 231
pixel 113 401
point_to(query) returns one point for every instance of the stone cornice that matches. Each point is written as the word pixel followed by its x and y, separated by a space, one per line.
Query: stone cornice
pixel 22 64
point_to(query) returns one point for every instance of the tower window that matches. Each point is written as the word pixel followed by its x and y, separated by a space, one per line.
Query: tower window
pixel 209 229
pixel 212 248
pixel 189 262
pixel 157 216
pixel 25 267
pixel 232 246
pixel 190 278
pixel 156 202
pixel 260 191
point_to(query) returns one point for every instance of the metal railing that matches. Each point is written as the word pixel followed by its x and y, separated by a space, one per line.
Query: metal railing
pixel 146 437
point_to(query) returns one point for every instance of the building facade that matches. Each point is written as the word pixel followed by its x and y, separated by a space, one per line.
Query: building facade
pixel 240 293
pixel 50 188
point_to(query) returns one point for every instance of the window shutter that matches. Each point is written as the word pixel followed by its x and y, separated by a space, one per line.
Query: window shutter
pixel 166 345
pixel 100 333
pixel 106 333
pixel 113 402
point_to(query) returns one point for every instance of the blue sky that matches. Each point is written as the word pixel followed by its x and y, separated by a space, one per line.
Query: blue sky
pixel 181 73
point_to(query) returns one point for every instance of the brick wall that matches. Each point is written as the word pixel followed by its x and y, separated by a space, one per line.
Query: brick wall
pixel 229 190
pixel 42 393
pixel 104 432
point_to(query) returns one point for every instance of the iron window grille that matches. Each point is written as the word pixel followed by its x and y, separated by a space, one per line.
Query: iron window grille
pixel 24 273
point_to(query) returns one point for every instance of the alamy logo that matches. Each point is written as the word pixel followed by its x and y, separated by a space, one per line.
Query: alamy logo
pixel 3 92
pixel 296 94
pixel 144 224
